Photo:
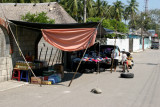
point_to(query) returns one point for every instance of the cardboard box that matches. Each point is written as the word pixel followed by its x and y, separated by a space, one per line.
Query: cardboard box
pixel 36 80
pixel 46 82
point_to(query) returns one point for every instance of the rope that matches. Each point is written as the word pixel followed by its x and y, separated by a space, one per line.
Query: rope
pixel 98 71
pixel 19 46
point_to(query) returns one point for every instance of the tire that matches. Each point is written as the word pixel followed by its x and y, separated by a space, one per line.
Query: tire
pixel 127 75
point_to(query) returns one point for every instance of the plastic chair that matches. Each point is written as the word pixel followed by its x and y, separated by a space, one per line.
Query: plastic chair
pixel 24 75
pixel 18 74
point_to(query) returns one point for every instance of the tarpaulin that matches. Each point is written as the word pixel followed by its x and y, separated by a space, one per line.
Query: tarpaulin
pixel 70 39
pixel 3 23
pixel 101 32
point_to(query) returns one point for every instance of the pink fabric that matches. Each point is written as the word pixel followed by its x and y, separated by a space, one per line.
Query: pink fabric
pixel 70 39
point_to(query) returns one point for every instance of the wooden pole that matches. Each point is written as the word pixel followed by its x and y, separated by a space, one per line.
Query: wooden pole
pixel 84 17
pixel 82 58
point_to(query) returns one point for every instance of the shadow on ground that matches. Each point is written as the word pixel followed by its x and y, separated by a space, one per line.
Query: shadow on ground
pixel 69 75
pixel 147 63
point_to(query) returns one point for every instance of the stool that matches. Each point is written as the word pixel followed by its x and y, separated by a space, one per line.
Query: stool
pixel 14 72
pixel 24 75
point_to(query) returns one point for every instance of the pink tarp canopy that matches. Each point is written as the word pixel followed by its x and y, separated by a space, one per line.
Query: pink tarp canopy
pixel 72 39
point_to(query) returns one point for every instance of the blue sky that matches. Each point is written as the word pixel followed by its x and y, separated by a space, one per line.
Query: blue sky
pixel 152 4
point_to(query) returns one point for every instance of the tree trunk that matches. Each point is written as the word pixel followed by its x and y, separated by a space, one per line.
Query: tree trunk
pixel 84 18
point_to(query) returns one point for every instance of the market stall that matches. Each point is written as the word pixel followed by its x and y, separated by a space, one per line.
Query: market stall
pixel 62 37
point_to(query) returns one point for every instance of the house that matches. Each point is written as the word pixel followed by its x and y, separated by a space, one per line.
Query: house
pixel 140 34
pixel 30 41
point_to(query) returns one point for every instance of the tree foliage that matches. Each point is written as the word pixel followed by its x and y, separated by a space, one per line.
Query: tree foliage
pixel 111 24
pixel 155 20
pixel 131 11
pixel 37 17
pixel 114 13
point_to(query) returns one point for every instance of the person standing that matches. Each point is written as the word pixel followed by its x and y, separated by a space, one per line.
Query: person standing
pixel 115 56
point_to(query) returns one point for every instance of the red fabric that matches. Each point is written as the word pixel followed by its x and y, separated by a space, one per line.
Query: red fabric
pixel 4 23
pixel 70 39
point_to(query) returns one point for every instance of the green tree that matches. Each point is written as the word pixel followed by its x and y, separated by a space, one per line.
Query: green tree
pixel 118 9
pixel 131 11
pixel 90 8
pixel 111 24
pixel 72 6
pixel 100 8
pixel 37 18
pixel 155 20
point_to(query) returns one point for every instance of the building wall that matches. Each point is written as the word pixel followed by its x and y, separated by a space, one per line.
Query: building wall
pixel 49 53
pixel 30 41
pixel 147 43
pixel 122 43
pixel 5 68
pixel 26 39
pixel 136 43
pixel 5 58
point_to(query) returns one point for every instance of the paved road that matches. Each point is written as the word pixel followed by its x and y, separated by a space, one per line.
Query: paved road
pixel 141 91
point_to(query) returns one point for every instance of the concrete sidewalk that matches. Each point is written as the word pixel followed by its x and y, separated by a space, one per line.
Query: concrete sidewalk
pixel 11 84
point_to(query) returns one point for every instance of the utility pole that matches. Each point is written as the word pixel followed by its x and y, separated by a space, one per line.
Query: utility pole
pixel 142 31
pixel 146 6
pixel 84 17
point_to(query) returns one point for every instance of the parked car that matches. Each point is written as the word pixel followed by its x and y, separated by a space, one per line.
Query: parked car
pixel 108 50
pixel 89 62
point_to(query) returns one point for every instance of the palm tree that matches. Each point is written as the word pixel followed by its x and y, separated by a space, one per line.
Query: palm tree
pixel 107 10
pixel 131 10
pixel 125 15
pixel 72 8
pixel 118 9
pixel 99 8
pixel 90 8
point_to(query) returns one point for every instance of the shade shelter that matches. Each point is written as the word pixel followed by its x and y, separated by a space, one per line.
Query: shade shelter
pixel 36 27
